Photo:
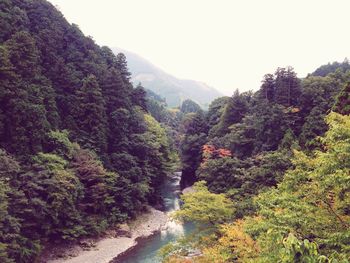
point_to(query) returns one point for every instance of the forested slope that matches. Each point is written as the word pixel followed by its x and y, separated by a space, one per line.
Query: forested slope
pixel 273 172
pixel 79 151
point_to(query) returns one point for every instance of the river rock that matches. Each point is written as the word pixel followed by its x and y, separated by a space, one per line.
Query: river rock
pixel 194 253
pixel 123 230
pixel 87 244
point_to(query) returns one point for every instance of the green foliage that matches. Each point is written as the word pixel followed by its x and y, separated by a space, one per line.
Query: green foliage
pixel 80 153
pixel 194 128
pixel 324 70
pixel 287 87
pixel 222 174
pixel 301 251
pixel 342 104
pixel 304 219
pixel 216 109
pixel 207 210
pixel 203 207
pixel 139 97
pixel 58 142
pixel 318 95
pixel 316 190
pixel 234 112
pixel 90 115
pixel 189 106
pixel 262 132
pixel 243 179
pixel 4 220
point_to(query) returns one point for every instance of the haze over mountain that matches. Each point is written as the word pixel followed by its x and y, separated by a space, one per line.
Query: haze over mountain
pixel 173 89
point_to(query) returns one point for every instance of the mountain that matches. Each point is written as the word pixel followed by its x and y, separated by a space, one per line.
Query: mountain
pixel 173 89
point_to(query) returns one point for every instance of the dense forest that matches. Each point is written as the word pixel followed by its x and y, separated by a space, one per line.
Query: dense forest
pixel 82 149
pixel 79 150
pixel 271 172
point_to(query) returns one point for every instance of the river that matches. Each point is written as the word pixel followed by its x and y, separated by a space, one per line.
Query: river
pixel 146 251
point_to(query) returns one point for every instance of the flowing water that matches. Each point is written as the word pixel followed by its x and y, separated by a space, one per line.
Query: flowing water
pixel 146 251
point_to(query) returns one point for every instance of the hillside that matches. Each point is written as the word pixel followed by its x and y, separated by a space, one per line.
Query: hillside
pixel 88 157
pixel 174 90
pixel 79 152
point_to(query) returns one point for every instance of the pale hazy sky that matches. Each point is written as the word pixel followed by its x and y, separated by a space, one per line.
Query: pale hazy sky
pixel 228 44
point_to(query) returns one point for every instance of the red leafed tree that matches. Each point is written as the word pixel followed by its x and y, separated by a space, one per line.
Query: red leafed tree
pixel 210 152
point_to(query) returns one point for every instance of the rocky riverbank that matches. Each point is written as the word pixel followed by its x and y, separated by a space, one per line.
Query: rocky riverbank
pixel 115 243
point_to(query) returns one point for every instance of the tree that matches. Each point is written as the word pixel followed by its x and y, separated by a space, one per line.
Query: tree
pixel 216 108
pixel 139 97
pixel 122 67
pixel 207 211
pixel 23 97
pixel 115 92
pixel 329 68
pixel 234 112
pixel 267 89
pixel 195 129
pixel 56 85
pixel 90 115
pixel 342 104
pixel 315 190
pixel 221 174
pixel 189 106
pixel 52 192
pixel 9 224
pixel 287 88
pixel 203 207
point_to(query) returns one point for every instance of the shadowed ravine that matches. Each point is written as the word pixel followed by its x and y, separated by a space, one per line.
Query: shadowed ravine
pixel 147 249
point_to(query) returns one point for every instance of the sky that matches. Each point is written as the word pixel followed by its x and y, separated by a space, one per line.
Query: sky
pixel 228 44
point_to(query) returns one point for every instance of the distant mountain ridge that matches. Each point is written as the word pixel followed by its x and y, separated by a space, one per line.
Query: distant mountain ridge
pixel 173 89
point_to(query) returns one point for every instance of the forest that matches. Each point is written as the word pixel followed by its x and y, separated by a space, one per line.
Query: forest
pixel 79 149
pixel 82 149
pixel 270 172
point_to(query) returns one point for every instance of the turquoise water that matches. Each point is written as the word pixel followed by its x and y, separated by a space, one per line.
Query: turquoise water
pixel 146 251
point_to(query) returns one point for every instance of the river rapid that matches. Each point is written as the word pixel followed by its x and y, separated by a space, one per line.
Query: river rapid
pixel 146 251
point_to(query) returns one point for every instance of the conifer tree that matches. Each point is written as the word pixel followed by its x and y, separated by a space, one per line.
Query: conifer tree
pixel 122 66
pixel 139 97
pixel 267 89
pixel 342 104
pixel 90 115
pixel 287 87
pixel 234 112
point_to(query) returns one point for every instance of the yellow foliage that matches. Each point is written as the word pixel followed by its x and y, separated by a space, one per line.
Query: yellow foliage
pixel 234 244
pixel 177 259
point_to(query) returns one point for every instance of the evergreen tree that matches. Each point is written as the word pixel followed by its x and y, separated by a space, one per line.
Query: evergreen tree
pixel 189 106
pixel 267 89
pixel 139 97
pixel 342 104
pixel 195 130
pixel 234 112
pixel 90 115
pixel 287 88
pixel 54 78
pixel 115 92
pixel 216 108
pixel 122 66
